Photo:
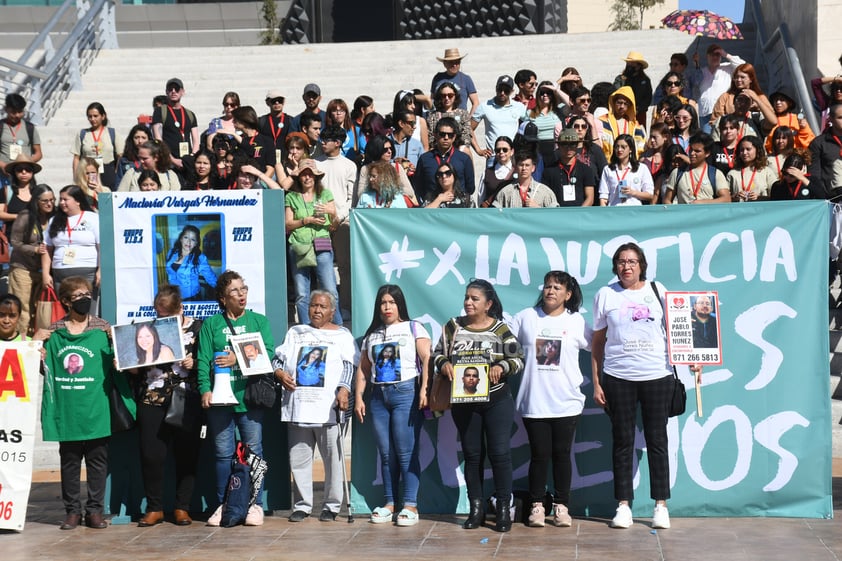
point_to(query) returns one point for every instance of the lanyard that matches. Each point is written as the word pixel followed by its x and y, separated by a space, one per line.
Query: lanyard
pixel 750 181
pixel 70 232
pixel 524 194
pixel 778 165
pixel 730 157
pixel 653 169
pixel 449 155
pixel 179 124
pixel 15 130
pixel 97 142
pixel 569 172
pixel 794 192
pixel 836 138
pixel 625 173
pixel 698 186
pixel 275 135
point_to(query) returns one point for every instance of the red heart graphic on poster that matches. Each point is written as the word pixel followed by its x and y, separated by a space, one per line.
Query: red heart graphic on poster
pixel 678 302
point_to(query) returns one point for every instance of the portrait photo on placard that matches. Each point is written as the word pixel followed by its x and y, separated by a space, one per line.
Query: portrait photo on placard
pixel 547 351
pixel 148 342
pixel 189 253
pixel 251 354
pixel 74 363
pixel 387 363
pixel 704 321
pixel 310 367
pixel 470 383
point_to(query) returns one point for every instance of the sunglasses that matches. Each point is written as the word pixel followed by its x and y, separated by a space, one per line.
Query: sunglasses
pixel 410 123
pixel 583 100
pixel 388 149
pixel 672 84
pixel 580 127
pixel 443 134
pixel 275 100
pixel 235 105
pixel 545 93
pixel 26 169
pixel 501 150
pixel 445 173
pixel 173 89
pixel 447 95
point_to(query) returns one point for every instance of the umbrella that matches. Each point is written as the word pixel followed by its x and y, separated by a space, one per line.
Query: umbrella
pixel 703 23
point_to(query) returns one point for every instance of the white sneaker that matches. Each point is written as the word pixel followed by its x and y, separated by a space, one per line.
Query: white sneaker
pixel 536 516
pixel 216 517
pixel 661 517
pixel 254 516
pixel 623 518
pixel 561 517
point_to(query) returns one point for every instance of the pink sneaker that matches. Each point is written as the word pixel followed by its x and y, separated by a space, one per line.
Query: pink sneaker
pixel 254 516
pixel 216 517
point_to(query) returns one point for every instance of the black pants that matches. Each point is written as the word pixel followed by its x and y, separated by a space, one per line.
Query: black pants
pixel 550 438
pixel 654 396
pixel 492 422
pixel 95 453
pixel 155 438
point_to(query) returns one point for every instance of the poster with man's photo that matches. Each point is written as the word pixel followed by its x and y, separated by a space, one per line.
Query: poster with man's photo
pixel 146 343
pixel 387 363
pixel 310 367
pixel 693 330
pixel 470 377
pixel 251 354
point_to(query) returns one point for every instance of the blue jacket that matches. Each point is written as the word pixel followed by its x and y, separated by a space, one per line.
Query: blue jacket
pixel 424 180
pixel 187 276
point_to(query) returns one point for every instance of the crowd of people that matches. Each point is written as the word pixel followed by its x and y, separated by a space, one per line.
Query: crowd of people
pixel 713 137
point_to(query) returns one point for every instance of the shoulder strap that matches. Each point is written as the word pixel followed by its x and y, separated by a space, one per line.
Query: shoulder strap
pixel 30 132
pixel 712 177
pixel 664 313
pixel 113 134
pixel 163 111
pixel 82 136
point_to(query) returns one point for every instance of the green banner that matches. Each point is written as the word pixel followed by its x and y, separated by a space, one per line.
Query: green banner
pixel 763 446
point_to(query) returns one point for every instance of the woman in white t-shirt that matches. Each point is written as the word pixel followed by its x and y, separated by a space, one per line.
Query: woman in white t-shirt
pixel 396 352
pixel 550 399
pixel 624 181
pixel 72 239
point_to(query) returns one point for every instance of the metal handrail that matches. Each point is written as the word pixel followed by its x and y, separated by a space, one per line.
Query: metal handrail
pixel 766 47
pixel 47 80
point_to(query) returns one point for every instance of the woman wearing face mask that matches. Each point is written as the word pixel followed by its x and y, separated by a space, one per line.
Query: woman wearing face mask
pixel 77 415
pixel 72 241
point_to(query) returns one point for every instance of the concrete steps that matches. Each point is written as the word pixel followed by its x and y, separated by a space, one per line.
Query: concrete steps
pixel 126 80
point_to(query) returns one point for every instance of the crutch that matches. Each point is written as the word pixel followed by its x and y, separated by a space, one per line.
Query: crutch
pixel 343 432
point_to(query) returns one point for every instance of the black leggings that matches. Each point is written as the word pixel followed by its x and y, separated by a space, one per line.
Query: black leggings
pixel 550 438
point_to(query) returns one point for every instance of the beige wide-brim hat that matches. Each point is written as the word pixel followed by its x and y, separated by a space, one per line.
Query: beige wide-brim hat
pixel 637 57
pixel 22 160
pixel 451 54
pixel 308 164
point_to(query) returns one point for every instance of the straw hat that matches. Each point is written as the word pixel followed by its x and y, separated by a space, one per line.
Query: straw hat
pixel 22 160
pixel 637 57
pixel 451 54
pixel 308 164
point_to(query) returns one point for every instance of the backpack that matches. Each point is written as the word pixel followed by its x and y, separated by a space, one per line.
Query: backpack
pixel 712 169
pixel 111 133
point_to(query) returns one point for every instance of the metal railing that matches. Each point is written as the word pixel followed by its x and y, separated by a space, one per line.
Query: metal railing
pixel 781 63
pixel 44 74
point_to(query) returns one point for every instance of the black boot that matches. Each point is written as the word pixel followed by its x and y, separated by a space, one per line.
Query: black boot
pixel 504 514
pixel 476 518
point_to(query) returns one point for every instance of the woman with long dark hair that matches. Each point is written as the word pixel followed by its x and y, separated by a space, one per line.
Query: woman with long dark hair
pixel 409 100
pixel 446 100
pixel 154 155
pixel 394 360
pixel 783 145
pixel 752 178
pixel 686 125
pixel 589 149
pixel 448 192
pixel 186 263
pixel 481 332
pixel 625 181
pixel 137 137
pixel 100 143
pixel 22 174
pixel 148 345
pixel 500 173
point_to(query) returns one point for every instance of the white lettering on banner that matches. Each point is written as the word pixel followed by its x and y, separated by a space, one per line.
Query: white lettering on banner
pixel 778 252
pixel 750 325
pixel 768 433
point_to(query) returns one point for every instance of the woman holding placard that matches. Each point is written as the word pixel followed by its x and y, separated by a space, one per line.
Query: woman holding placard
pixel 482 339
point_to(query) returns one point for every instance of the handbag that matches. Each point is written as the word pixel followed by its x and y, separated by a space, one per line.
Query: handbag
pixel 48 309
pixel 305 255
pixel 184 409
pixel 261 391
pixel 440 394
pixel 119 398
pixel 322 244
pixel 678 402
pixel 4 248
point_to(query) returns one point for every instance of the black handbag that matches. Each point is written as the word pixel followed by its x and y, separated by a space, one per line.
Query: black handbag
pixel 184 409
pixel 678 403
pixel 121 418
pixel 261 391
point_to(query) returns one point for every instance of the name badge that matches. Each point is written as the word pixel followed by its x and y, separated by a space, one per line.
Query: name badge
pixel 277 155
pixel 69 256
pixel 15 150
pixel 183 149
pixel 100 164
pixel 568 193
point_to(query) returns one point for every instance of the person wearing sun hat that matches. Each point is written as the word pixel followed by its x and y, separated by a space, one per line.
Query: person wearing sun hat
pixel 634 76
pixel 17 136
pixel 452 61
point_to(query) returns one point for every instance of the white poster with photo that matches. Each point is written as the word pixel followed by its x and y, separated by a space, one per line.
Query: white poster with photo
pixel 693 330
pixel 146 343
pixel 19 409
pixel 186 238
pixel 470 376
pixel 251 354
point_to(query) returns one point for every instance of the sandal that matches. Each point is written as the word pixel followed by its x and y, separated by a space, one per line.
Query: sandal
pixel 381 515
pixel 407 517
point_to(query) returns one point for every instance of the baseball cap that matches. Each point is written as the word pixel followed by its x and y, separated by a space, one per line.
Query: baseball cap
pixel 273 94
pixel 312 88
pixel 505 81
pixel 176 82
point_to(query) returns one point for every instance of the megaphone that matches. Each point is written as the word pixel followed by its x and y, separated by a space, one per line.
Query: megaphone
pixel 222 393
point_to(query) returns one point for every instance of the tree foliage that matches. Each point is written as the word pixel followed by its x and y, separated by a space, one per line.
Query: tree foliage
pixel 628 14
pixel 272 34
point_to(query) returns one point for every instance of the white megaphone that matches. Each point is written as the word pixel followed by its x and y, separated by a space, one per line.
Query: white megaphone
pixel 222 393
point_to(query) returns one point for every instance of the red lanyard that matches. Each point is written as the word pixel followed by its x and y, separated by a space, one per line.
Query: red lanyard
pixel 778 165
pixel 730 157
pixel 698 186
pixel 97 143
pixel 179 124
pixel 275 135
pixel 750 181
pixel 449 155
pixel 794 192
pixel 17 128
pixel 569 172
pixel 836 138
pixel 70 232
pixel 625 173
pixel 653 169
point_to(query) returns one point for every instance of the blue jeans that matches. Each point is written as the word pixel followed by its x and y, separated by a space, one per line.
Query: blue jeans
pixel 397 426
pixel 301 278
pixel 221 422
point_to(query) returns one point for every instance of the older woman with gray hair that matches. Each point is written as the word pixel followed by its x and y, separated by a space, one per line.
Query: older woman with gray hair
pixel 315 411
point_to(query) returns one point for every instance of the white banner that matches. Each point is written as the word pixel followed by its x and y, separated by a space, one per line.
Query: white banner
pixel 19 399
pixel 186 238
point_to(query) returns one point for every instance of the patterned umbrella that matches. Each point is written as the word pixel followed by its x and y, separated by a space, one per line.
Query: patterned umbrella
pixel 703 24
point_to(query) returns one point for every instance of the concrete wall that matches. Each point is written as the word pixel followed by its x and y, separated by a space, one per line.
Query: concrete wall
pixel 829 45
pixel 594 16
pixel 801 18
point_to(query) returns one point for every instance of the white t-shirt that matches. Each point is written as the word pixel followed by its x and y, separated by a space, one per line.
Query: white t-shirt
pixel 636 344
pixel 552 379
pixel 314 403
pixel 612 181
pixel 392 352
pixel 77 248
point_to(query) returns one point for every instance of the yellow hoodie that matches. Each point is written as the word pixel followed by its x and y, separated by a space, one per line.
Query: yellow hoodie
pixel 611 129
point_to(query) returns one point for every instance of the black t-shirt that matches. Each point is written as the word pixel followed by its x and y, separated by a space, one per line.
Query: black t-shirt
pixel 782 191
pixel 173 134
pixel 723 158
pixel 261 148
pixel 557 176
pixel 276 128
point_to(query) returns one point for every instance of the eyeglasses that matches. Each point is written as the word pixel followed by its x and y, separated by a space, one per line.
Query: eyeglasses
pixel 580 127
pixel 79 296
pixel 447 95
pixel 410 123
pixel 501 150
pixel 388 149
pixel 445 173
pixel 275 100
pixel 583 100
pixel 310 95
pixel 234 105
pixel 173 89
pixel 629 262
pixel 237 291
pixel 26 169
pixel 672 84
pixel 47 201
pixel 443 134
